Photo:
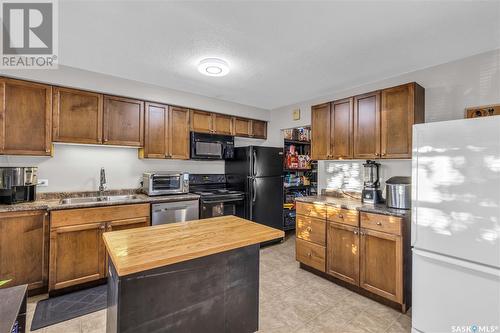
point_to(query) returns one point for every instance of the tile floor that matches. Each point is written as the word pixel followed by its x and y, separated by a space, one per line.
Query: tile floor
pixel 291 300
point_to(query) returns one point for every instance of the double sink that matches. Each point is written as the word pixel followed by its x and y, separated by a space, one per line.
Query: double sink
pixel 107 198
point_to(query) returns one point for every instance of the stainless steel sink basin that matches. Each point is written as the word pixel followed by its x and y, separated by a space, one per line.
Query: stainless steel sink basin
pixel 111 198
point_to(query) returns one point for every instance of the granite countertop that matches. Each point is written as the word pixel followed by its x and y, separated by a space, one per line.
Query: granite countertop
pixel 137 250
pixel 352 203
pixel 52 201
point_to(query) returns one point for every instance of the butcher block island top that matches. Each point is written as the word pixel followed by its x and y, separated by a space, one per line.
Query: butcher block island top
pixel 140 249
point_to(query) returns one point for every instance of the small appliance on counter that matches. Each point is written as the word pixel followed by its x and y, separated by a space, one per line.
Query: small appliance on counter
pixel 398 192
pixel 165 182
pixel 216 198
pixel 371 192
pixel 211 146
pixel 18 184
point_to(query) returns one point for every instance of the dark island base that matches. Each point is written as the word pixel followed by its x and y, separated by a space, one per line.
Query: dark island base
pixel 216 293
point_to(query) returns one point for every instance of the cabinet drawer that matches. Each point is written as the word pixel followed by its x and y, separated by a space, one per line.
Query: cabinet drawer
pixel 311 209
pixel 383 223
pixel 311 229
pixel 340 215
pixel 310 254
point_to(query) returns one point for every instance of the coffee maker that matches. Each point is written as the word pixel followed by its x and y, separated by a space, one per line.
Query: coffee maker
pixel 371 192
pixel 17 184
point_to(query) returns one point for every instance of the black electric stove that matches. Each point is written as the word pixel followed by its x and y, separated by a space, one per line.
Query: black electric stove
pixel 216 197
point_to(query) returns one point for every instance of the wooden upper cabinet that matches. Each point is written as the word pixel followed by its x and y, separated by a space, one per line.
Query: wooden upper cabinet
pixel 343 252
pixel 25 118
pixel 242 127
pixel 123 121
pixel 320 132
pixel 201 121
pixel 24 248
pixel 77 116
pixel 223 124
pixel 367 126
pixel 259 129
pixel 166 132
pixel 341 128
pixel 156 126
pixel 402 106
pixel 179 133
pixel 381 264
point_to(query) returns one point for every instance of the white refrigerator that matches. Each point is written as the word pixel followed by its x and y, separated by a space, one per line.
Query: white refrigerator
pixel 456 226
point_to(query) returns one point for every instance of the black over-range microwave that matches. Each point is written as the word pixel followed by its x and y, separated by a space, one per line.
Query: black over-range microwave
pixel 211 146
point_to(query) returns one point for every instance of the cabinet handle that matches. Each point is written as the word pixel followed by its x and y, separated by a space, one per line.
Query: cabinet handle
pixel 383 154
pixel 101 227
pixel 309 254
pixel 379 223
pixel 309 229
pixel 341 216
pixel 355 232
pixel 377 154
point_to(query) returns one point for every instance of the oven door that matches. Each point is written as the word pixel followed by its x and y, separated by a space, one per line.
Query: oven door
pixel 221 207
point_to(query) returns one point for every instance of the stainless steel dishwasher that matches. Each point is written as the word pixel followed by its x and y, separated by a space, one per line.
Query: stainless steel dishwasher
pixel 171 212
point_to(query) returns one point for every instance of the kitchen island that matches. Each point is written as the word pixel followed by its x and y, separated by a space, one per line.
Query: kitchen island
pixel 196 276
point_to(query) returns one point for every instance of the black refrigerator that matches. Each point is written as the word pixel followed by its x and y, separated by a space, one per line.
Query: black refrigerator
pixel 259 172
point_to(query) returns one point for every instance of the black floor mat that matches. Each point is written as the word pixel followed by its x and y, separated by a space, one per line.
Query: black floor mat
pixel 57 309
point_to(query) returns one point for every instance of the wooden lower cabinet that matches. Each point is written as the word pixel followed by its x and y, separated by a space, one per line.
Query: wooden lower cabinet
pixel 343 252
pixel 381 264
pixel 310 254
pixel 77 251
pixel 77 255
pixel 24 245
pixel 367 250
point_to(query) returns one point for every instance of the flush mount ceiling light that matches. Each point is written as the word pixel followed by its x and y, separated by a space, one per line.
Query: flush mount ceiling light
pixel 213 67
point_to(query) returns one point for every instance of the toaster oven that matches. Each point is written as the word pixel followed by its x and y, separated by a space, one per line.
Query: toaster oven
pixel 165 182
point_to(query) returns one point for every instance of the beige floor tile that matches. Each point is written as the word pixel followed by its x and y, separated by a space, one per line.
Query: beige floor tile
pixel 370 322
pixel 400 325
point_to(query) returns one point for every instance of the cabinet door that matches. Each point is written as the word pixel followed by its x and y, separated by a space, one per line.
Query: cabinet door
pixel 320 132
pixel 343 252
pixel 24 248
pixel 156 138
pixel 179 133
pixel 77 255
pixel 367 126
pixel 77 116
pixel 201 121
pixel 242 127
pixel 341 129
pixel 25 118
pixel 396 121
pixel 259 129
pixel 381 264
pixel 123 121
pixel 223 124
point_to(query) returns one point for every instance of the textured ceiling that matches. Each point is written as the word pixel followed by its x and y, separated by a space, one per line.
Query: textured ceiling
pixel 279 52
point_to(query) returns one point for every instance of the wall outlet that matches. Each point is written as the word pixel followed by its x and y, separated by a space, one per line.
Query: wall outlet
pixel 43 182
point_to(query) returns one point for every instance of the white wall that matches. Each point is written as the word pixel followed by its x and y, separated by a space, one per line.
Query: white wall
pixel 449 89
pixel 76 167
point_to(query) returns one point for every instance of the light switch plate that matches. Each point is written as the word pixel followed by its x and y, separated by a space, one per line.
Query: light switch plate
pixel 43 182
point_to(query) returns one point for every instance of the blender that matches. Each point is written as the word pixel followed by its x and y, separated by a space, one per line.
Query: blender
pixel 371 192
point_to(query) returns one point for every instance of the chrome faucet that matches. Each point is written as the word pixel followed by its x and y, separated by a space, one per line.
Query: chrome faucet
pixel 102 182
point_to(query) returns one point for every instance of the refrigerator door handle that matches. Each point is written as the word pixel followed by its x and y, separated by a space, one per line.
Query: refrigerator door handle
pixel 253 162
pixel 254 190
pixel 457 262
